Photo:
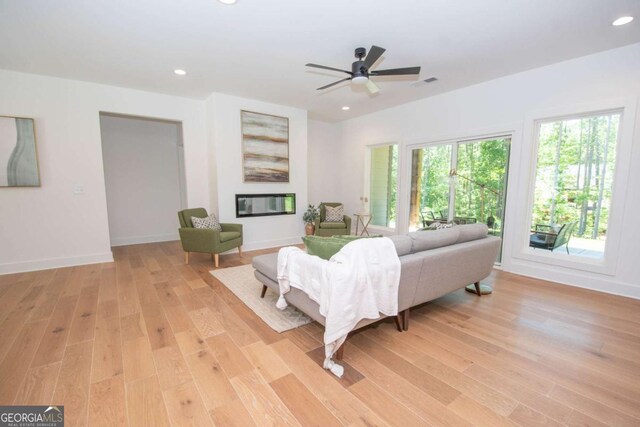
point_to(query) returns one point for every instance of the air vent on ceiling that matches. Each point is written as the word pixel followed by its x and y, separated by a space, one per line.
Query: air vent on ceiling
pixel 430 79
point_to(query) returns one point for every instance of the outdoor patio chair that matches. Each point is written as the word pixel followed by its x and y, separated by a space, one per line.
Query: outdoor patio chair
pixel 551 237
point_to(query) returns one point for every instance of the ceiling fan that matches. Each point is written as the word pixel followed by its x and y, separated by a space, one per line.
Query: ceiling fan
pixel 360 69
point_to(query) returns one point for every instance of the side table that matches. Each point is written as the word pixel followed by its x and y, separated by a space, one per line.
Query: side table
pixel 363 219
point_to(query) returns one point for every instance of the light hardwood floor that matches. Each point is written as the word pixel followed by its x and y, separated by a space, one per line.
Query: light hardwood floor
pixel 149 341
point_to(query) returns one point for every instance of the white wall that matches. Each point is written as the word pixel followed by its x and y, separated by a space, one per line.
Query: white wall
pixel 50 226
pixel 223 112
pixel 508 105
pixel 143 178
pixel 324 140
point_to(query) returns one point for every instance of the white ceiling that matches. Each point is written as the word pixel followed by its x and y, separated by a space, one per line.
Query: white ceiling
pixel 258 48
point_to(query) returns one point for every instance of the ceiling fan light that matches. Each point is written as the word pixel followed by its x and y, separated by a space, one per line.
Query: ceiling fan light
pixel 359 80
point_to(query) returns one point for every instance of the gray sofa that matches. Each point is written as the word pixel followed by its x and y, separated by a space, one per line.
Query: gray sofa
pixel 433 263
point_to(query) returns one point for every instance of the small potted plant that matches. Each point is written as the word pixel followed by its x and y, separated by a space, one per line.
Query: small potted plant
pixel 309 218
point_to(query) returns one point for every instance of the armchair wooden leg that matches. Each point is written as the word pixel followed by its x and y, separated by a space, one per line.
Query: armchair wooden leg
pixel 216 260
pixel 186 257
pixel 240 251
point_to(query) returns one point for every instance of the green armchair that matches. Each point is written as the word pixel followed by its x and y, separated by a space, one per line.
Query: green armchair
pixel 324 228
pixel 206 240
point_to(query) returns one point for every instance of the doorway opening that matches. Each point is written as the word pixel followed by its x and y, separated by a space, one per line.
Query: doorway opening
pixel 144 177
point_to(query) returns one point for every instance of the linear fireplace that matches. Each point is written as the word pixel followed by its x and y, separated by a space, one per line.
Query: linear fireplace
pixel 265 204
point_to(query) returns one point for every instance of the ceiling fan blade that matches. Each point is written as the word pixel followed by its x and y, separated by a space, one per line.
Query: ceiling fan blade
pixel 396 72
pixel 374 54
pixel 328 68
pixel 334 83
pixel 372 87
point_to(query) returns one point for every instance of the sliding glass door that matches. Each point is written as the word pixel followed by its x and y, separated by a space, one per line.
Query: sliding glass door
pixel 461 182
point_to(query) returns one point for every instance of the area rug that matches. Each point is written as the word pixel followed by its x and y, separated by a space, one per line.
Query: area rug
pixel 242 282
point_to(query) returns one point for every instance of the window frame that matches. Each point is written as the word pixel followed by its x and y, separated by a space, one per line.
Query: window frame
pixel 367 184
pixel 608 264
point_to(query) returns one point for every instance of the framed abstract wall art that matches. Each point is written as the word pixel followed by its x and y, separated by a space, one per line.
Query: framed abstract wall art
pixel 18 155
pixel 265 147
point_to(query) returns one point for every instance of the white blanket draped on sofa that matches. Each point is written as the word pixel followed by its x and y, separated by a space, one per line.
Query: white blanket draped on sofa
pixel 359 282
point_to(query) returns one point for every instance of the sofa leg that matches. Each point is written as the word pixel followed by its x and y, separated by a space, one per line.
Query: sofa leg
pixel 399 319
pixel 477 285
pixel 264 291
pixel 240 251
pixel 340 352
pixel 405 319
pixel 216 260
pixel 186 257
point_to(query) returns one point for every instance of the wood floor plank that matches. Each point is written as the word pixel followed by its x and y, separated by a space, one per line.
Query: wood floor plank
pixel 206 322
pixel 158 328
pixel 137 359
pixel 16 318
pixel 185 407
pixel 38 385
pixel 304 406
pixel 190 342
pixel 430 409
pixel 266 361
pixel 84 317
pixel 53 342
pixel 431 385
pixel 594 409
pixel 73 383
pixel 232 414
pixel 108 403
pixel 145 404
pixel 211 380
pixel 171 367
pixel 261 401
pixel 342 404
pixel 107 353
pixel 15 365
pixel 384 404
pixel 229 355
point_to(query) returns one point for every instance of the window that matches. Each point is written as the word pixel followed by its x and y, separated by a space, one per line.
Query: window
pixel 383 185
pixel 575 167
pixel 461 182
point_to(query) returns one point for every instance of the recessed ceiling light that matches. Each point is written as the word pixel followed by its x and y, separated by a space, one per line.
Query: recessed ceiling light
pixel 622 21
pixel 345 108
pixel 228 1
pixel 180 72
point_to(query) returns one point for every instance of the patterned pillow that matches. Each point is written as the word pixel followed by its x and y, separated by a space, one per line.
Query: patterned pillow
pixel 209 222
pixel 334 214
pixel 440 225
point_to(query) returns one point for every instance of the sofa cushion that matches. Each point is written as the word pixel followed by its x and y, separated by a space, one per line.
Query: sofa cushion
pixel 403 244
pixel 469 232
pixel 336 225
pixel 323 247
pixel 267 265
pixel 424 240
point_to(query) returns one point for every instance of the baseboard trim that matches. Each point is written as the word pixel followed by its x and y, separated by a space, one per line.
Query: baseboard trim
pixel 592 282
pixel 136 240
pixel 49 263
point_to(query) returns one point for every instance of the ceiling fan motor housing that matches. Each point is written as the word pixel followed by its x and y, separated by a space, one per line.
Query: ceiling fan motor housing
pixel 359 70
